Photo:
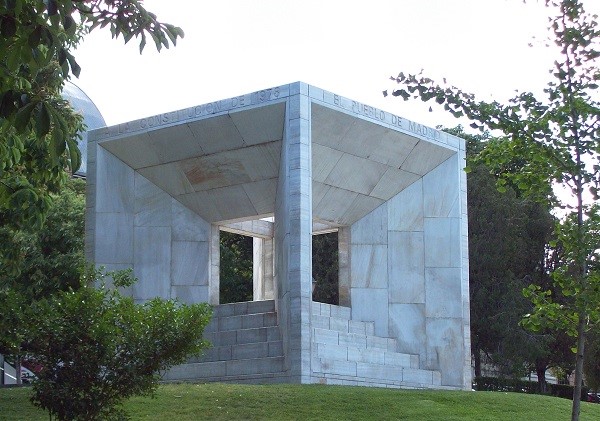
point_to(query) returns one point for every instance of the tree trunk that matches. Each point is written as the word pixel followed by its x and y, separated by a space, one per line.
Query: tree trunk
pixel 540 370
pixel 578 368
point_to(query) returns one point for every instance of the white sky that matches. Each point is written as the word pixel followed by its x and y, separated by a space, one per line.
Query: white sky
pixel 233 47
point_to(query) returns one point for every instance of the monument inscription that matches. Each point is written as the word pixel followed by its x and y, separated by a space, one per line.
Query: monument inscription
pixel 380 115
pixel 211 108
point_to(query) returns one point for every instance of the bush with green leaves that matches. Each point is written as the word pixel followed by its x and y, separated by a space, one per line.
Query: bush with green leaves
pixel 39 129
pixel 511 384
pixel 96 347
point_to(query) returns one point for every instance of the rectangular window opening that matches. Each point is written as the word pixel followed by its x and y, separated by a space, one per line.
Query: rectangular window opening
pixel 325 268
pixel 235 268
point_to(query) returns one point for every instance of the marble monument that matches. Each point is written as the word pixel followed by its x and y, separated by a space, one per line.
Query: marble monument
pixel 280 165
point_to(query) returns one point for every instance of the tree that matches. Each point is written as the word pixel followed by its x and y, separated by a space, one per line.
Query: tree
pixel 38 129
pixel 325 268
pixel 97 348
pixel 49 258
pixel 508 248
pixel 591 364
pixel 235 270
pixel 43 260
pixel 547 144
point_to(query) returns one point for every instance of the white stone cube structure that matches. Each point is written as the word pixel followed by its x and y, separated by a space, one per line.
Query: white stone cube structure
pixel 281 164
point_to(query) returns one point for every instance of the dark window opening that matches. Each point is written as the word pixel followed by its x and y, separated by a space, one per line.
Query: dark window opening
pixel 325 268
pixel 235 268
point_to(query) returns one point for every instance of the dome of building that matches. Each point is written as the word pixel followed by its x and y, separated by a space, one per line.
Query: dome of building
pixel 91 117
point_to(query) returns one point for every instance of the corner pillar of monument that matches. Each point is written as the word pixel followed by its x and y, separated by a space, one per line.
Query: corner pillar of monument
pixel 293 235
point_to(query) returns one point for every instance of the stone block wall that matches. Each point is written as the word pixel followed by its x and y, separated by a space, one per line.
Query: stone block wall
pixel 406 276
pixel 139 226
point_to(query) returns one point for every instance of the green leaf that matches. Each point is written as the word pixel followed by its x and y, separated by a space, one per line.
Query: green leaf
pixel 62 56
pixel 69 25
pixel 142 43
pixel 58 141
pixel 23 116
pixel 51 7
pixel 42 123
pixel 75 68
pixel 35 37
pixel 8 26
pixel 74 155
pixel 7 105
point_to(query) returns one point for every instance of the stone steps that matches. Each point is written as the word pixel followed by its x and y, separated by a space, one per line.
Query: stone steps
pixel 241 351
pixel 243 336
pixel 219 370
pixel 263 378
pixel 337 379
pixel 246 347
pixel 249 321
pixel 365 355
pixel 331 310
pixel 342 325
pixel 346 351
pixel 244 308
pixel 384 373
pixel 334 337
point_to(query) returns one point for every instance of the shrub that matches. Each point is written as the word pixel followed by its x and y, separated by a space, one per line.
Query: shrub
pixel 98 348
pixel 501 384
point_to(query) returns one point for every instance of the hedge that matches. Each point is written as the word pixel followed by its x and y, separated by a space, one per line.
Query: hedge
pixel 501 384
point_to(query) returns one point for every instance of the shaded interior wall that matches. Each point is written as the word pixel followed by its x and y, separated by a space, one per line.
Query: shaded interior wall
pixel 135 224
pixel 406 272
pixel 292 236
pixel 262 266
pixel 344 266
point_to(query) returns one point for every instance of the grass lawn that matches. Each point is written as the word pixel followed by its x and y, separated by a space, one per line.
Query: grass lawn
pixel 182 402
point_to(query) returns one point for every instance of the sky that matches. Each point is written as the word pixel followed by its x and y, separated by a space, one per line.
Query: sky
pixel 234 47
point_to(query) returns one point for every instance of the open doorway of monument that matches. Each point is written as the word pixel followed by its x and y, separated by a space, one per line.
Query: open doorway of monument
pixel 325 268
pixel 235 269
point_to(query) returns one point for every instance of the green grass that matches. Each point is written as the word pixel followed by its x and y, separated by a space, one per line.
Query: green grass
pixel 180 402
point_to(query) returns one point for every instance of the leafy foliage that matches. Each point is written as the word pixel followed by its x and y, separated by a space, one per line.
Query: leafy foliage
pixel 97 347
pixel 50 258
pixel 508 248
pixel 500 384
pixel 508 245
pixel 591 364
pixel 43 261
pixel 549 143
pixel 235 277
pixel 38 129
pixel 325 268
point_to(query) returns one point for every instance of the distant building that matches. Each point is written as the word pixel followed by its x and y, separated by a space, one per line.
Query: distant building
pixel 91 117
